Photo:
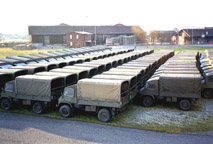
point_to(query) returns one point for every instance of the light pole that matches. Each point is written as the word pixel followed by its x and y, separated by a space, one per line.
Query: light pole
pixel 192 36
pixel 95 35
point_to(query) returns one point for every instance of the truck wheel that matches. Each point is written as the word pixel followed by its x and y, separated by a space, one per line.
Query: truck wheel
pixel 65 111
pixel 104 115
pixel 38 108
pixel 185 104
pixel 207 93
pixel 147 101
pixel 5 104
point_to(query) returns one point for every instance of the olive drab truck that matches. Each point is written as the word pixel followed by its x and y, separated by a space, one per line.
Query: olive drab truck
pixel 105 97
pixel 180 88
pixel 37 91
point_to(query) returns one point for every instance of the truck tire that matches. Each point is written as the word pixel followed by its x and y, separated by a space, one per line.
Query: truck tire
pixel 104 115
pixel 185 104
pixel 65 111
pixel 147 101
pixel 207 93
pixel 5 104
pixel 38 108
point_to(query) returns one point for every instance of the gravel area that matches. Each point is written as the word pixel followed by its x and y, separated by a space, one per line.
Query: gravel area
pixel 202 110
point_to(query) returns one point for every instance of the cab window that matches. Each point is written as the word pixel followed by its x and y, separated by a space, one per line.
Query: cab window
pixel 69 91
pixel 9 87
pixel 150 85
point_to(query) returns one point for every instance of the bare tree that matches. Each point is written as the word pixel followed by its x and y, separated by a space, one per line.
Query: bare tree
pixel 1 37
pixel 140 34
pixel 153 35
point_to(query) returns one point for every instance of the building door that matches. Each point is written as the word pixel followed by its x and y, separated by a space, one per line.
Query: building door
pixel 46 40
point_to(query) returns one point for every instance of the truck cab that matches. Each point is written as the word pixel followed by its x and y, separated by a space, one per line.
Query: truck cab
pixel 207 84
pixel 151 87
pixel 69 95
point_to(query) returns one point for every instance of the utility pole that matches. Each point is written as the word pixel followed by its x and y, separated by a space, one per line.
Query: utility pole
pixel 95 35
pixel 192 36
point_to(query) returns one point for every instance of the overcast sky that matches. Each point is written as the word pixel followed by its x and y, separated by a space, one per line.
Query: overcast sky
pixel 16 15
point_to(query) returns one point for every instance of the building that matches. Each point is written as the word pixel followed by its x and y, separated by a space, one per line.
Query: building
pixel 79 39
pixel 50 35
pixel 121 40
pixel 194 36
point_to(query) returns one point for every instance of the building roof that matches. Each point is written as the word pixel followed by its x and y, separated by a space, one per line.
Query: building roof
pixel 198 32
pixel 61 30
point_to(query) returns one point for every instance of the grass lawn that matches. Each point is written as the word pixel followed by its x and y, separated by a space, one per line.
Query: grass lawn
pixel 119 120
pixel 4 52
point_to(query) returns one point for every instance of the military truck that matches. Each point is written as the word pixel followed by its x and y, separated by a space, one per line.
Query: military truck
pixel 207 85
pixel 38 91
pixel 105 97
pixel 180 88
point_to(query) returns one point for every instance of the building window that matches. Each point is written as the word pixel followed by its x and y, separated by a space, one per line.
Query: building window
pixel 77 36
pixel 70 43
pixel 70 36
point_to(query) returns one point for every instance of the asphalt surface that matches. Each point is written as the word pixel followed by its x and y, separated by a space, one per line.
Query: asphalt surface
pixel 18 128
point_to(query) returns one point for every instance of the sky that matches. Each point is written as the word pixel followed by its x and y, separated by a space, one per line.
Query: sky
pixel 17 15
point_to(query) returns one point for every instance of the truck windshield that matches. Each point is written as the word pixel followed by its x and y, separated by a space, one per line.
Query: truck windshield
pixel 150 85
pixel 6 66
pixel 9 87
pixel 69 91
pixel 42 61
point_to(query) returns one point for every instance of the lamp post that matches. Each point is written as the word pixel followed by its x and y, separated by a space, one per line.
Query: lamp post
pixel 95 35
pixel 192 37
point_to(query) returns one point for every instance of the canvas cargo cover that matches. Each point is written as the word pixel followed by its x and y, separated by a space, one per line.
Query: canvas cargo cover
pixel 91 64
pixel 31 69
pixel 178 69
pixel 15 72
pixel 99 89
pixel 42 64
pixel 123 74
pixel 180 84
pixel 178 72
pixel 99 62
pixel 76 71
pixel 9 70
pixel 126 70
pixel 79 68
pixel 54 74
pixel 34 85
pixel 179 66
pixel 132 67
pixel 117 77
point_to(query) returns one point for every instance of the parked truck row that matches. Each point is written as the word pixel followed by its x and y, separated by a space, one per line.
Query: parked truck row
pixel 44 88
pixel 178 80
pixel 108 93
pixel 16 70
pixel 42 57
pixel 206 68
